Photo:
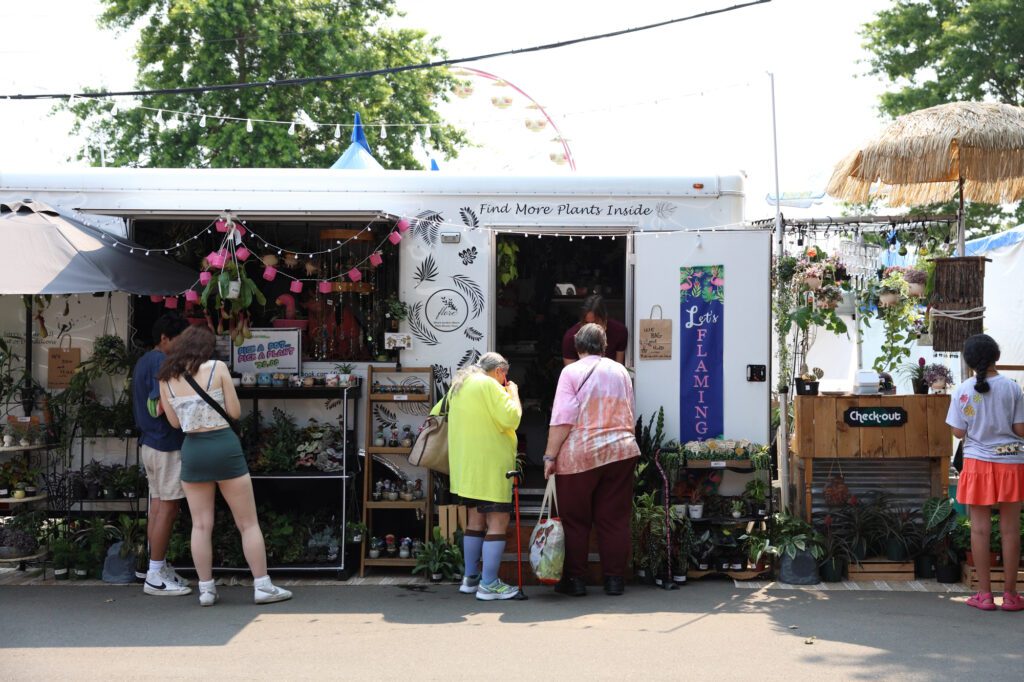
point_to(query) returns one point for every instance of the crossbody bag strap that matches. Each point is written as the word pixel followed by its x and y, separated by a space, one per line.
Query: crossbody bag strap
pixel 209 400
pixel 584 382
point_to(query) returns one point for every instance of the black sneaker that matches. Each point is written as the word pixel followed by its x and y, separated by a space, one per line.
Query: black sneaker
pixel 573 587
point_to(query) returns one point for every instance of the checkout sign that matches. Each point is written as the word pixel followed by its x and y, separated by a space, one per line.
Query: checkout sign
pixel 875 416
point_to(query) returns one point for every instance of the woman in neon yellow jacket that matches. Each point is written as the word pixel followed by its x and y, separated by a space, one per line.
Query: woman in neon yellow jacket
pixel 483 414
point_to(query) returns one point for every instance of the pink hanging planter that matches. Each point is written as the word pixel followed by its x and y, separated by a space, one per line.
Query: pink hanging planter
pixel 221 225
pixel 269 273
pixel 295 287
pixel 204 277
pixel 215 260
pixel 402 225
pixel 394 238
pixel 171 302
pixel 156 299
pixel 375 259
pixel 191 296
pixel 240 229
pixel 241 253
pixel 325 287
pixel 355 275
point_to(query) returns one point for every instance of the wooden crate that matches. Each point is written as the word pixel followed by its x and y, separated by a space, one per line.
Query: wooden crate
pixel 451 517
pixel 971 577
pixel 870 570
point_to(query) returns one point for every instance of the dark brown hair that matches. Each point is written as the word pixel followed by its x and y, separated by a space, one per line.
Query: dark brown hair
pixel 190 349
pixel 981 353
pixel 594 304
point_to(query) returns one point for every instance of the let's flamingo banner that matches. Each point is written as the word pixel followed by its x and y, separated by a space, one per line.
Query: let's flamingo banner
pixel 702 336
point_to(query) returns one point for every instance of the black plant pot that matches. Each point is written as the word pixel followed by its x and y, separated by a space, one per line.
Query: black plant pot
pixel 859 549
pixel 806 387
pixel 947 573
pixel 895 550
pixel 79 491
pixel 920 388
pixel 799 570
pixel 924 567
pixel 832 570
pixel 92 491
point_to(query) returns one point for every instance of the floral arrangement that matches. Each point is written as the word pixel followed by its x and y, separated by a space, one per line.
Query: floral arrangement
pixel 719 449
pixel 913 371
pixel 893 283
pixel 936 372
pixel 913 276
pixel 828 296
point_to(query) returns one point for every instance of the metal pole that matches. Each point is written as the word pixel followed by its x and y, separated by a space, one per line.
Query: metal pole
pixel 28 398
pixel 782 445
pixel 961 231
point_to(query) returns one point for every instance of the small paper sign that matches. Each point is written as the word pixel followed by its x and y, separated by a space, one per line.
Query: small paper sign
pixel 61 364
pixel 401 396
pixel 656 337
pixel 717 465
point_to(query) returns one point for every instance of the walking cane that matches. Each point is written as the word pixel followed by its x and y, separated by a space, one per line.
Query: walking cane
pixel 516 477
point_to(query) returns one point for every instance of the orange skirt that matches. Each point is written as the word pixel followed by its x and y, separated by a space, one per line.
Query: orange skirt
pixel 988 483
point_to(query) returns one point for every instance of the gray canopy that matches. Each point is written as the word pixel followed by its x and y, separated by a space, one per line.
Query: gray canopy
pixel 50 253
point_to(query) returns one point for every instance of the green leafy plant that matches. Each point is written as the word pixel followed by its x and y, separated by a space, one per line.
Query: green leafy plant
pixel 508 255
pixel 649 438
pixel 279 449
pixel 792 535
pixel 437 557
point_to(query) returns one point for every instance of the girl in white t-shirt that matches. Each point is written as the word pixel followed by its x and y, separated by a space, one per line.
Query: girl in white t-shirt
pixel 987 412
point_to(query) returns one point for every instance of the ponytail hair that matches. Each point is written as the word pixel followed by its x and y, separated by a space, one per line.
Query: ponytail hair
pixel 981 353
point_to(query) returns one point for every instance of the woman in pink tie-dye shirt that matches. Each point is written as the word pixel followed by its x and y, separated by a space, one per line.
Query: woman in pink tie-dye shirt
pixel 592 449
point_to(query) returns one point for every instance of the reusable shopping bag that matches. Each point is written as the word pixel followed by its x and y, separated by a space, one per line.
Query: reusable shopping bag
pixel 547 542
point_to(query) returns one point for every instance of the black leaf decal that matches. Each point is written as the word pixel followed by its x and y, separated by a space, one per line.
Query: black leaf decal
pixel 472 334
pixel 426 271
pixel 414 409
pixel 469 357
pixel 385 417
pixel 468 255
pixel 442 375
pixel 469 217
pixel 427 225
pixel 473 291
pixel 418 328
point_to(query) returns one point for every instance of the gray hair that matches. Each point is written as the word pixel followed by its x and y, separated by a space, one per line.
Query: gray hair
pixel 488 362
pixel 591 339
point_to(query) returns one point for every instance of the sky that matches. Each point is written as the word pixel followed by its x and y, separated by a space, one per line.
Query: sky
pixel 688 99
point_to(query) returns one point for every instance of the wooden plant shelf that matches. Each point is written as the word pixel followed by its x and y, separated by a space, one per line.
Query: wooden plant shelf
pixel 970 574
pixel 881 569
pixel 389 562
pixel 24 500
pixel 398 504
pixel 718 464
pixel 399 397
pixel 749 574
pixel 373 450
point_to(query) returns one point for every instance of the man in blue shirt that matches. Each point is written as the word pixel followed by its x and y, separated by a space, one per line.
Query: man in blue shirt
pixel 160 451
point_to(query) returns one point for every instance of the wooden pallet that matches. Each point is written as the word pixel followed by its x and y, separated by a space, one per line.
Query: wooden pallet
pixel 881 569
pixel 971 577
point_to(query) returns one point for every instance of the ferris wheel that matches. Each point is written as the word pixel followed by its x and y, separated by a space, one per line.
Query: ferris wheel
pixel 505 120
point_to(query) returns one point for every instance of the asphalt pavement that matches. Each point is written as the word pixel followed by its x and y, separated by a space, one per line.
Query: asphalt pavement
pixel 709 630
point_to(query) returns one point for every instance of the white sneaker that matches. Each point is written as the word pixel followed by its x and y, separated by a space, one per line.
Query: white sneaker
pixel 270 594
pixel 208 595
pixel 469 584
pixel 170 574
pixel 496 590
pixel 159 585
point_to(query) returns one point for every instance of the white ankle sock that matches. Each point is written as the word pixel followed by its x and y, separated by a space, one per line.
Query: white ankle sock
pixel 155 566
pixel 207 585
pixel 262 582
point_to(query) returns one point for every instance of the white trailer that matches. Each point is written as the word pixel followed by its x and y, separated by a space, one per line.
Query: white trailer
pixel 650 228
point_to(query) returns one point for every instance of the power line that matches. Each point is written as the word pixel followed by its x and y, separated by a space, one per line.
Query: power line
pixel 381 72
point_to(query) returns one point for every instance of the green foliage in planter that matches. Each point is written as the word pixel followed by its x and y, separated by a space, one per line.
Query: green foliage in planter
pixel 437 557
pixel 649 438
pixel 285 540
pixel 278 451
pixel 791 535
pixel 647 533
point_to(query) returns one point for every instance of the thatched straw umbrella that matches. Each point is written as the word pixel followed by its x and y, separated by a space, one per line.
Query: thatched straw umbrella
pixel 973 149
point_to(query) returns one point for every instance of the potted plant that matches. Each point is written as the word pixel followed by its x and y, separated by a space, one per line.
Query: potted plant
pixel 799 548
pixel 861 524
pixel 937 376
pixel 695 508
pixel 6 479
pixel 914 372
pixel 62 552
pixel 836 552
pixel 828 296
pixel 737 508
pixel 8 436
pixel 375 546
pixel 758 547
pixel 26 436
pixel 916 280
pixel 703 547
pixel 345 376
pixel 92 474
pixel 132 531
pixel 395 311
pixel 756 491
pixel 891 290
pixel 899 532
pixel 436 558
pixel 683 539
pixel 807 382
pixel 354 531
pixel 813 274
pixel 944 538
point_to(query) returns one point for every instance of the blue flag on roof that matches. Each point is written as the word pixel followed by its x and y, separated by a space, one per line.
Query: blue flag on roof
pixel 357 156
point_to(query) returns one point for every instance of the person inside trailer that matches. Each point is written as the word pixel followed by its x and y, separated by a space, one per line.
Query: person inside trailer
pixel 594 311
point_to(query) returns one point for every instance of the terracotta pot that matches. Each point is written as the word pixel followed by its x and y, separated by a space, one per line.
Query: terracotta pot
pixel 888 300
pixel 916 290
pixel 812 283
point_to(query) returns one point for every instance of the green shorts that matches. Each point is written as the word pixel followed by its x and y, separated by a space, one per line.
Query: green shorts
pixel 212 456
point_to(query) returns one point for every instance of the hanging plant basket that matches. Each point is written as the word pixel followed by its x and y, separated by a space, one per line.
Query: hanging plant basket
pixel 959 286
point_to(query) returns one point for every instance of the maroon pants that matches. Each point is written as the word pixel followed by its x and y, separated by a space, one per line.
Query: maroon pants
pixel 602 498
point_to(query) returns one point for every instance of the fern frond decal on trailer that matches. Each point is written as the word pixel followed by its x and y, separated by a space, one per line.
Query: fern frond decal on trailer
pixel 418 328
pixel 427 226
pixel 472 291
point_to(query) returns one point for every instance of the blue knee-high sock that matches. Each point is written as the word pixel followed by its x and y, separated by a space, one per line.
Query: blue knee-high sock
pixel 472 546
pixel 494 546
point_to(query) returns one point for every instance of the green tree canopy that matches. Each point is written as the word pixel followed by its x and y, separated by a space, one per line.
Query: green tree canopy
pixel 939 51
pixel 187 43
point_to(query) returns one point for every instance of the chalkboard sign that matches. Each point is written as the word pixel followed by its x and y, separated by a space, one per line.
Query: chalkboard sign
pixel 269 350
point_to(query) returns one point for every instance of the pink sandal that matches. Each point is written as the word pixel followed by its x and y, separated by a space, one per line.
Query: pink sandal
pixel 983 601
pixel 1012 602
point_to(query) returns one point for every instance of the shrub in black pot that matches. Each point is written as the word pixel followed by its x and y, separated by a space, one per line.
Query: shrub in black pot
pixel 799 547
pixel 835 550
